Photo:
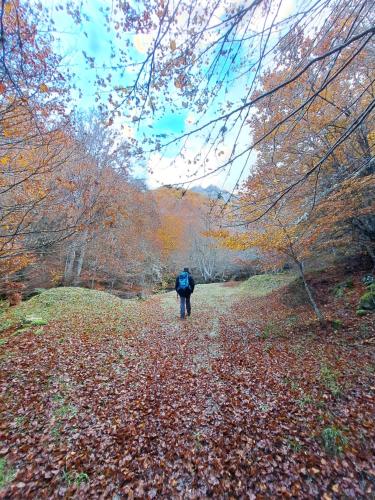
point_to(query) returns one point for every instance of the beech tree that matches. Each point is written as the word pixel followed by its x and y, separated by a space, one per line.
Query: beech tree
pixel 213 60
pixel 288 208
pixel 282 93
pixel 31 146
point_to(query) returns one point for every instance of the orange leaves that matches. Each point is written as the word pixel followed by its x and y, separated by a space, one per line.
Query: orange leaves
pixel 286 186
pixel 11 262
pixel 8 8
pixel 43 88
pixel 170 234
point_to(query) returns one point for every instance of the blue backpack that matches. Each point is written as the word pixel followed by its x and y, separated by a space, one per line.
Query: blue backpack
pixel 183 281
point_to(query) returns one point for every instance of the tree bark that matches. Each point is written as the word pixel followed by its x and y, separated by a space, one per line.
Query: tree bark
pixel 74 260
pixel 310 296
pixel 69 263
pixel 80 255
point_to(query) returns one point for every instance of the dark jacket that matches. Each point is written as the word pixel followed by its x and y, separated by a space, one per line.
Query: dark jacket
pixel 185 293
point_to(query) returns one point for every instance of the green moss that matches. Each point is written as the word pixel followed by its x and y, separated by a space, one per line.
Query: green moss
pixel 361 312
pixel 367 301
pixel 340 288
pixel 68 303
pixel 263 284
pixel 5 324
pixel 33 321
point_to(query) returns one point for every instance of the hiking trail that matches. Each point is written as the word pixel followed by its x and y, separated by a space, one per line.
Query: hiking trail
pixel 124 400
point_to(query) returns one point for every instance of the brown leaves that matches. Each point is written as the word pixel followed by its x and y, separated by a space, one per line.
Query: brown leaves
pixel 178 412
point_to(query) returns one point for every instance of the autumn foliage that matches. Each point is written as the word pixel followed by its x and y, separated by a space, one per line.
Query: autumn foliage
pixel 309 193
pixel 266 390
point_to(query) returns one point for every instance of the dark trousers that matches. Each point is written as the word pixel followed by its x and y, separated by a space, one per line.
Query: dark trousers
pixel 185 302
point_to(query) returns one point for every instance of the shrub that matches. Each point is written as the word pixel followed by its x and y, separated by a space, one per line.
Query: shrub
pixel 14 298
pixel 14 292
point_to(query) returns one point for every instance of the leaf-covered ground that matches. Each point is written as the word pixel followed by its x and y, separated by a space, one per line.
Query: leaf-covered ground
pixel 248 398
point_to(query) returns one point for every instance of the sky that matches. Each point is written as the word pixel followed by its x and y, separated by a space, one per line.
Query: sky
pixel 95 38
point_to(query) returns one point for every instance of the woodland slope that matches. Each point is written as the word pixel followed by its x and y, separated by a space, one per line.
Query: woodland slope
pixel 250 396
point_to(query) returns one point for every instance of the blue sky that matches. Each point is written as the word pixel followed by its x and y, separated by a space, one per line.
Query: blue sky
pixel 93 37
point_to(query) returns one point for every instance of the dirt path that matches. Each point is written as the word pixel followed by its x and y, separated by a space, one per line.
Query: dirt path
pixel 137 410
pixel 167 408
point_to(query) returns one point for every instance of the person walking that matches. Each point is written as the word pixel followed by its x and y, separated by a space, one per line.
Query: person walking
pixel 184 287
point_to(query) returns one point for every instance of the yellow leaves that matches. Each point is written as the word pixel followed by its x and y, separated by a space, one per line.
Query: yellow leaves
pixel 7 132
pixel 4 160
pixel 56 276
pixel 8 8
pixel 220 233
pixel 231 240
pixel 371 140
pixel 10 263
pixel 170 234
pixel 43 87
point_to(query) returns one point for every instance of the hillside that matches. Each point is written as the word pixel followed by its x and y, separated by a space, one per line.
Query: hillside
pixel 106 397
pixel 213 192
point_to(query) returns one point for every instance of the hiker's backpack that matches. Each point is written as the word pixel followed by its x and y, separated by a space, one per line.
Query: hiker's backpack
pixel 183 281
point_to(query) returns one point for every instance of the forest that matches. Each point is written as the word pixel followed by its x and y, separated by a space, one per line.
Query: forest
pixel 234 138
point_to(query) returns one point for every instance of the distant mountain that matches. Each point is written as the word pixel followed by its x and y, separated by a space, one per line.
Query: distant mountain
pixel 212 192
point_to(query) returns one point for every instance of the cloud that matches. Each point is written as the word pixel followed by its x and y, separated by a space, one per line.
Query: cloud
pixel 194 162
pixel 190 119
pixel 128 131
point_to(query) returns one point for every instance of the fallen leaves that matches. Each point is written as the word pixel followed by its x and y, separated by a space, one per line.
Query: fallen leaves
pixel 176 412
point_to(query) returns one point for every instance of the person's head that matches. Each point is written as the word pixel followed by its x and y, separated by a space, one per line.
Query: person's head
pixel 186 270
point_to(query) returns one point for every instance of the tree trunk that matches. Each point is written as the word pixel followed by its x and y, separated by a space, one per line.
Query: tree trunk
pixel 74 260
pixel 371 253
pixel 69 263
pixel 78 264
pixel 314 305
